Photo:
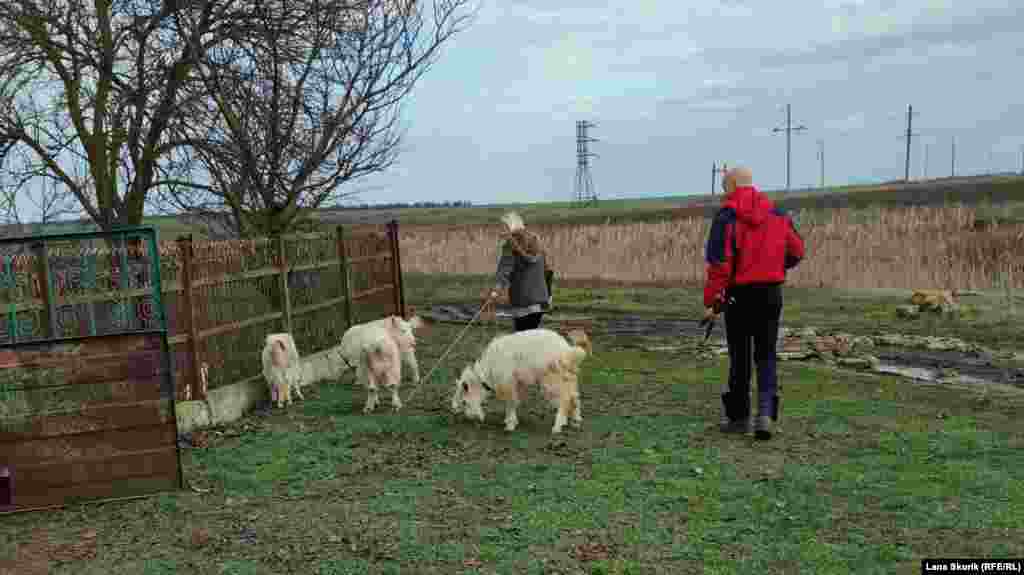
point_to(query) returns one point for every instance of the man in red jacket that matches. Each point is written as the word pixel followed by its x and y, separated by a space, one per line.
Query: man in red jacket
pixel 751 246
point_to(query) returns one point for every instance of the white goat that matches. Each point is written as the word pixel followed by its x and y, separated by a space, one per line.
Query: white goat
pixel 282 367
pixel 377 350
pixel 512 363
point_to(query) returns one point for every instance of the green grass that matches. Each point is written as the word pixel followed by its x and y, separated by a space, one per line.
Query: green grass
pixel 867 475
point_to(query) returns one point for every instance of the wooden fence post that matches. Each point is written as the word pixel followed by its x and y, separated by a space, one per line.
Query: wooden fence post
pixel 189 313
pixel 46 290
pixel 346 280
pixel 286 299
pixel 396 269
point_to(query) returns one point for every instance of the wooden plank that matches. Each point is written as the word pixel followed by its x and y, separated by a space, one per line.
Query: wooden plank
pixel 382 256
pixel 176 286
pixel 395 271
pixel 89 418
pixel 397 252
pixel 64 398
pixel 346 275
pixel 40 477
pixel 164 480
pixel 286 299
pixel 372 291
pixel 140 366
pixel 193 375
pixel 52 354
pixel 320 265
pixel 318 306
pixel 223 278
pixel 239 325
pixel 88 444
pixel 46 290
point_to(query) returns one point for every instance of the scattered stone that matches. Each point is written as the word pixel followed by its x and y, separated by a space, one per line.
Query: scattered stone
pixel 807 333
pixel 863 342
pixel 865 362
pixel 824 344
pixel 791 344
pixel 248 536
pixel 932 299
pixel 790 356
pixel 907 311
pixel 586 552
pixel 200 537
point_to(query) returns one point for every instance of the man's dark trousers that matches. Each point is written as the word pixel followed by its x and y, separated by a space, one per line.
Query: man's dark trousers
pixel 752 321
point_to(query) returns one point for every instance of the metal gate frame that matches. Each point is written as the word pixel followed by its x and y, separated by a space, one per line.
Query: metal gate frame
pixel 119 236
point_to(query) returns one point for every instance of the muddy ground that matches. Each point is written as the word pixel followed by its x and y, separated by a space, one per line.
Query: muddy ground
pixel 685 333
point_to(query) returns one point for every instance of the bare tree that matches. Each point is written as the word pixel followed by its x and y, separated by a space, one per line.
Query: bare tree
pixel 25 199
pixel 308 101
pixel 102 84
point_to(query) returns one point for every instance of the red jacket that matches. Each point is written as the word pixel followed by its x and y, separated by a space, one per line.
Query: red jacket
pixel 751 242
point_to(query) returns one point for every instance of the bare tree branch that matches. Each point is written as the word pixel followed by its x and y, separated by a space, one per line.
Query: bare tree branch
pixel 103 84
pixel 308 101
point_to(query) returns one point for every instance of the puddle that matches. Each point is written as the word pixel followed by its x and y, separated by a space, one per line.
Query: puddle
pixel 914 364
pixel 911 372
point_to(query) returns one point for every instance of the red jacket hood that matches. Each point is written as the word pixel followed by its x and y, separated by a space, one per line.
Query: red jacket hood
pixel 751 206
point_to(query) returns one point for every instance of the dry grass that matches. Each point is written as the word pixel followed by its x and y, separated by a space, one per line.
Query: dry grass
pixel 854 249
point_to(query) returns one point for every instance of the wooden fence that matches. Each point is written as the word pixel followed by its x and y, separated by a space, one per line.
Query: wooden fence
pixel 314 286
pixel 221 297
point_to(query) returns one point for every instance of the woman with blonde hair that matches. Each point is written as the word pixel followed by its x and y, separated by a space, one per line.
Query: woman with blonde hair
pixel 523 272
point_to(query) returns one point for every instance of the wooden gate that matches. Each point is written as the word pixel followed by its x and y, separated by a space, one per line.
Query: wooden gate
pixel 85 417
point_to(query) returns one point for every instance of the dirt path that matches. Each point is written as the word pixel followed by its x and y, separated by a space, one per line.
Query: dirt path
pixel 628 330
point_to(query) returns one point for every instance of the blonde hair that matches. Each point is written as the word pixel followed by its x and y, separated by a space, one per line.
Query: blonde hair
pixel 737 177
pixel 513 222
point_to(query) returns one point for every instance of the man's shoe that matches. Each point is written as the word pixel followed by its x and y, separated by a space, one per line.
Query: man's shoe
pixel 729 426
pixel 763 429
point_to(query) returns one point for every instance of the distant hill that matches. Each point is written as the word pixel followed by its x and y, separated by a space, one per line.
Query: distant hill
pixel 968 190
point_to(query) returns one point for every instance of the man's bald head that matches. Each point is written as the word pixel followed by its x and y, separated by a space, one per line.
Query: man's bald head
pixel 737 178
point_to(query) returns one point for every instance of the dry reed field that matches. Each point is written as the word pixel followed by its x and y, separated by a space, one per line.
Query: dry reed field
pixel 914 247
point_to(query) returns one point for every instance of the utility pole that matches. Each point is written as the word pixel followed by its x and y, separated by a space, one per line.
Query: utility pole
pixel 1022 160
pixel 821 160
pixel 714 172
pixel 584 181
pixel 910 115
pixel 925 167
pixel 788 129
pixel 952 157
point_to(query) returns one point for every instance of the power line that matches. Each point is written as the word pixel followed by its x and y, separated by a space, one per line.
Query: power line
pixel 788 129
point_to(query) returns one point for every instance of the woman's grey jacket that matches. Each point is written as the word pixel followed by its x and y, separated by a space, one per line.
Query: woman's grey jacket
pixel 523 276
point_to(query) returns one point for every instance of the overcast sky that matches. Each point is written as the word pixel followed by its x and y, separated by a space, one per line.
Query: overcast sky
pixel 675 86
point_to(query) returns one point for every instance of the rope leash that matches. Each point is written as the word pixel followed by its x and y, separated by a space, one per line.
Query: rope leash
pixel 419 384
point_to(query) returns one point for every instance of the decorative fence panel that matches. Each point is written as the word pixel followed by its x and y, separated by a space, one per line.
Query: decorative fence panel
pixel 86 393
